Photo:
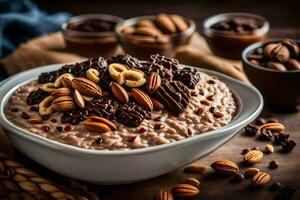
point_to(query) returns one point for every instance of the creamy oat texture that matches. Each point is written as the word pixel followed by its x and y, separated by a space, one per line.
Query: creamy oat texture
pixel 149 133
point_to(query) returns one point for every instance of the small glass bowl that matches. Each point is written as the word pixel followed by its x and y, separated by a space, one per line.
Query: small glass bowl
pixel 280 89
pixel 144 46
pixel 91 44
pixel 231 45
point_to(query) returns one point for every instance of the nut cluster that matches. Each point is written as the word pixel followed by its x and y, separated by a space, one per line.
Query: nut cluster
pixel 156 30
pixel 100 92
pixel 281 56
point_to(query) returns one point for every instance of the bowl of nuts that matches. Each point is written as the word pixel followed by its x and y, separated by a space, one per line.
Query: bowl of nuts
pixel 273 67
pixel 229 33
pixel 147 35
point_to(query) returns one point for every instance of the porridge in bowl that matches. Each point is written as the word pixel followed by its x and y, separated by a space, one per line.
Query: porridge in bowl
pixel 121 103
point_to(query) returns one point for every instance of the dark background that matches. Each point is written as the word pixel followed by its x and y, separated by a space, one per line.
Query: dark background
pixel 280 13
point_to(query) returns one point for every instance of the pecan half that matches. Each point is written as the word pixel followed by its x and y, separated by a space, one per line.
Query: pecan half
pixel 142 99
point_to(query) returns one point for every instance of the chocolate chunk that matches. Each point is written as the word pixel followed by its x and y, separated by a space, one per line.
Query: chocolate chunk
pixel 73 116
pixel 48 77
pixel 103 107
pixel 288 146
pixel 150 67
pixel 188 76
pixel 127 60
pixel 36 96
pixel 174 95
pixel 280 138
pixel 251 130
pixel 130 115
pixel 169 63
pixel 266 135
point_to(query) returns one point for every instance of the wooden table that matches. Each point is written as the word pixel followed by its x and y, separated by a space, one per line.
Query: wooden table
pixel 213 186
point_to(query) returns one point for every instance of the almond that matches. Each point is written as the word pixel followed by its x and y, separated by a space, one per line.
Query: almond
pixel 67 80
pixel 185 190
pixel 272 127
pixel 157 105
pixel 250 172
pixel 119 92
pixel 61 92
pixel 93 126
pixel 191 181
pixel 79 99
pixel 95 118
pixel 142 99
pixel 86 87
pixel 260 179
pixel 225 167
pixel 164 195
pixel 253 156
pixel 197 169
pixel 165 23
pixel 63 103
pixel 179 22
pixel 153 82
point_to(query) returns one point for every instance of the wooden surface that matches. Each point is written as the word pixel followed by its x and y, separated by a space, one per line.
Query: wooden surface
pixel 212 186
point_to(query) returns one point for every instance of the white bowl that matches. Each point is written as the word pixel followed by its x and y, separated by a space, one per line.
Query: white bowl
pixel 117 167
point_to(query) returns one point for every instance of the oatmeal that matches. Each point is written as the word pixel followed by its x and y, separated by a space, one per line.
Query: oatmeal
pixel 86 110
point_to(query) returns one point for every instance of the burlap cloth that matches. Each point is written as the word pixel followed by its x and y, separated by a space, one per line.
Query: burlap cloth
pixel 50 49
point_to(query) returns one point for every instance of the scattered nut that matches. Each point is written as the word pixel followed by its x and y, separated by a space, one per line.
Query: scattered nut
pixel 225 167
pixel 250 172
pixel 63 103
pixel 133 78
pixel 45 107
pixel 194 169
pixel 260 179
pixel 269 148
pixel 185 191
pixel 79 99
pixel 191 181
pixel 93 75
pixel 48 87
pixel 253 156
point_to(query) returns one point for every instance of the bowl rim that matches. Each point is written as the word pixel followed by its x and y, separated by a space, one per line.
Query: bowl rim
pixel 209 21
pixel 130 21
pixel 73 149
pixel 108 17
pixel 253 46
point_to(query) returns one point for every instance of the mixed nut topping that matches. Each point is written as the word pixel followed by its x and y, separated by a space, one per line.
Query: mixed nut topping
pixel 281 56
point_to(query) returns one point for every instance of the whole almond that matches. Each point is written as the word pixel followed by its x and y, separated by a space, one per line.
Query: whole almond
pixel 191 181
pixel 147 31
pixel 164 195
pixel 79 99
pixel 179 22
pixel 273 127
pixel 164 22
pixel 253 156
pixel 63 103
pixel 119 92
pixel 225 167
pixel 260 179
pixel 142 99
pixel 95 126
pixel 61 92
pixel 269 148
pixel 182 190
pixel 110 124
pixel 153 82
pixel 194 169
pixel 66 80
pixel 250 172
pixel 157 105
pixel 86 87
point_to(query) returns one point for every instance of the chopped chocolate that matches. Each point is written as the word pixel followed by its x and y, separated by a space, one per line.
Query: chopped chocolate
pixel 99 140
pixel 127 60
pixel 266 135
pixel 47 77
pixel 149 67
pixel 174 95
pixel 169 63
pixel 103 107
pixel 36 96
pixel 130 115
pixel 188 76
pixel 251 130
pixel 74 116
pixel 24 115
pixel 288 146
pixel 280 138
